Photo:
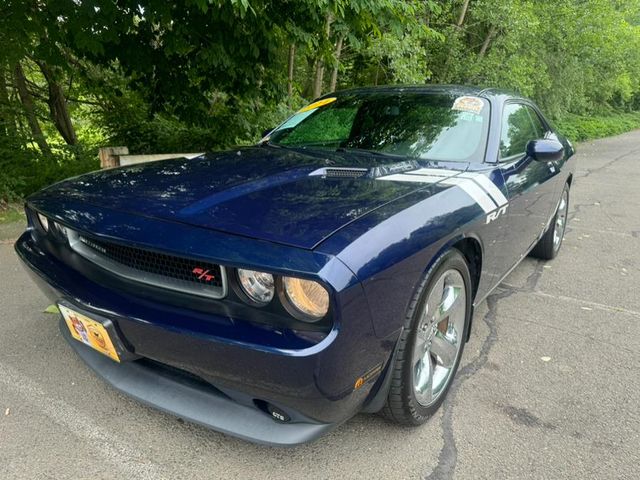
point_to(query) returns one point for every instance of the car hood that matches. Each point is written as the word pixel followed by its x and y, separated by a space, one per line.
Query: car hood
pixel 273 194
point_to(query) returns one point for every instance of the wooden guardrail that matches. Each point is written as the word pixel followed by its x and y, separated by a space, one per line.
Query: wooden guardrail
pixel 119 156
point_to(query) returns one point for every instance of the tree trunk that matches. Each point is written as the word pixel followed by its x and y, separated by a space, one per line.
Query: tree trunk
pixel 334 73
pixel 58 106
pixel 487 41
pixel 317 83
pixel 442 76
pixel 309 77
pixel 292 57
pixel 463 13
pixel 30 111
pixel 6 121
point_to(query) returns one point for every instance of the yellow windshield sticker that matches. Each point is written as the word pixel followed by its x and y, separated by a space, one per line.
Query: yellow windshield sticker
pixel 319 103
pixel 468 104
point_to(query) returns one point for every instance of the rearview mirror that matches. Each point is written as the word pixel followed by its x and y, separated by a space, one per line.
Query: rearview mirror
pixel 545 150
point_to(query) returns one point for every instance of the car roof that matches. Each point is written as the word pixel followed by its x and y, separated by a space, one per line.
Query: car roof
pixel 489 93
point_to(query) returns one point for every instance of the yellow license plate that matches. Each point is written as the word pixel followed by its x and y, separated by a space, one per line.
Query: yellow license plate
pixel 89 332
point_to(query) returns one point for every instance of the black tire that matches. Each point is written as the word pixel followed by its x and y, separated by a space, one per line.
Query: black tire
pixel 547 248
pixel 402 405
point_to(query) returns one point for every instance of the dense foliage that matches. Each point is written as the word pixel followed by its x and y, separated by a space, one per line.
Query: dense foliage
pixel 191 75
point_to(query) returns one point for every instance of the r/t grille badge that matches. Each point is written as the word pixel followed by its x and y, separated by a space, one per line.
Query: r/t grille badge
pixel 203 274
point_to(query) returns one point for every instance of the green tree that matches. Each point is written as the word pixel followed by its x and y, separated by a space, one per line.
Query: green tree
pixel 191 75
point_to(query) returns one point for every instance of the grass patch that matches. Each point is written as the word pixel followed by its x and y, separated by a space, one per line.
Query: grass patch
pixel 52 309
pixel 11 213
pixel 579 128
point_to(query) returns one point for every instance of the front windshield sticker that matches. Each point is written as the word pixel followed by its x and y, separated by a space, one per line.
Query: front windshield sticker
pixel 304 112
pixel 295 119
pixel 319 103
pixel 470 117
pixel 468 104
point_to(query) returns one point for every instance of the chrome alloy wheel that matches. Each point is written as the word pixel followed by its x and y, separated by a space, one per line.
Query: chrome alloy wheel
pixel 439 337
pixel 561 220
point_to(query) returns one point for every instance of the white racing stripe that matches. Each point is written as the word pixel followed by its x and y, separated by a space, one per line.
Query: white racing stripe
pixel 477 185
pixel 474 191
pixel 427 178
pixel 489 186
pixel 403 177
pixel 437 172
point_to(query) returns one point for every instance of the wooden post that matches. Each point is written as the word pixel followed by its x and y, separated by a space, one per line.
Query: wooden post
pixel 110 156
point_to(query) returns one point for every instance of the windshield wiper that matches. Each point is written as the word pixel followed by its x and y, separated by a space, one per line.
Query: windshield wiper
pixel 369 152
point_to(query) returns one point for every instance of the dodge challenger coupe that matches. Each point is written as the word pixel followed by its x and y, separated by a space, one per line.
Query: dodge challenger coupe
pixel 272 292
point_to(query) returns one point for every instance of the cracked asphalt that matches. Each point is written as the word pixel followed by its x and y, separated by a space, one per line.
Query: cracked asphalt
pixel 549 385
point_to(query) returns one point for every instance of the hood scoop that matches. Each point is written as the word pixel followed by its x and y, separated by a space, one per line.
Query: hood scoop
pixel 374 172
pixel 338 172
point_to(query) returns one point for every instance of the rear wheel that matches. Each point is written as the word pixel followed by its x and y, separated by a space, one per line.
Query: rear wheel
pixel 431 342
pixel 549 245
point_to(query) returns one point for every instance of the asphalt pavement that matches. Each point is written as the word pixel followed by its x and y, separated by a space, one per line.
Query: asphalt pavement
pixel 549 386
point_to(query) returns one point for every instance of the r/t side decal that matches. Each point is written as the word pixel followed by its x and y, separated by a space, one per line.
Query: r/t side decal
pixel 494 215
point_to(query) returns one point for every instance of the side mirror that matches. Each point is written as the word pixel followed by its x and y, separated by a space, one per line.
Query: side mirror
pixel 267 132
pixel 545 150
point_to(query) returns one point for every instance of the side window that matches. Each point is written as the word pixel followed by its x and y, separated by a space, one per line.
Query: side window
pixel 517 130
pixel 538 127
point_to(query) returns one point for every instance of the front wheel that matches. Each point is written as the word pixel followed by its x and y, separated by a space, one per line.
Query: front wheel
pixel 549 245
pixel 431 342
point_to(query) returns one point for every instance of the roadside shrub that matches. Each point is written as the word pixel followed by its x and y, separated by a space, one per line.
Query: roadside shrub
pixel 9 186
pixel 25 172
pixel 579 128
pixel 233 121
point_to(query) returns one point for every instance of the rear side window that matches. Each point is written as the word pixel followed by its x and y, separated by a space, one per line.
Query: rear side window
pixel 517 130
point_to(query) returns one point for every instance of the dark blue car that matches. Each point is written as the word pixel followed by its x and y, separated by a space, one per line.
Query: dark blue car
pixel 273 292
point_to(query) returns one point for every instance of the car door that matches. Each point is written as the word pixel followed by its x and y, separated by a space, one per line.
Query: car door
pixel 529 183
pixel 555 182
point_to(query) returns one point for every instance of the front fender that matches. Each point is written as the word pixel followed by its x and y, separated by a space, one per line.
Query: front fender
pixel 390 249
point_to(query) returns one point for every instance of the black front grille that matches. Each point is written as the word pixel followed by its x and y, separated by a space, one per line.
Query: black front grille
pixel 158 269
pixel 158 263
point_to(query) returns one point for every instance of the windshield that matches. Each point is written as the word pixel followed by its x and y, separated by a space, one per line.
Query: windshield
pixel 414 125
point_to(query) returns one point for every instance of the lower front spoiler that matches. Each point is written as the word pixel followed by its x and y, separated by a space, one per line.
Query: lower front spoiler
pixel 193 401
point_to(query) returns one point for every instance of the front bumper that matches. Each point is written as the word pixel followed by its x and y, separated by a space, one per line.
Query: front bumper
pixel 192 400
pixel 216 382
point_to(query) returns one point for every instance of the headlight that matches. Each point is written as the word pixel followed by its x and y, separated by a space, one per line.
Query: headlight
pixel 259 287
pixel 44 222
pixel 307 297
